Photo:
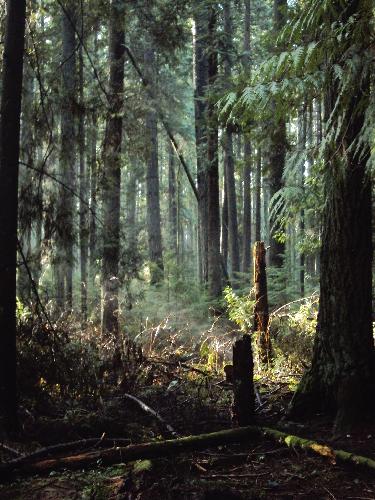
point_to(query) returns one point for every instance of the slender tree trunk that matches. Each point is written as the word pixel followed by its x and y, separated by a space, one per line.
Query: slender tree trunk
pixel 224 221
pixel 214 257
pixel 234 251
pixel 277 152
pixel 342 375
pixel 83 193
pixel 152 181
pixel 112 172
pixel 200 98
pixel 258 188
pixel 302 145
pixel 92 158
pixel 65 210
pixel 26 186
pixel 93 208
pixel 9 158
pixel 246 221
pixel 131 201
pixel 172 201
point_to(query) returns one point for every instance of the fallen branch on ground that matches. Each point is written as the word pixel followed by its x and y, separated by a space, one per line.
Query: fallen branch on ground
pixel 173 447
pixel 147 409
pixel 57 449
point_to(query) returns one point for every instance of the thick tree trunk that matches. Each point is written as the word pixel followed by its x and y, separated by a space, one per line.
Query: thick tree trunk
pixel 214 257
pixel 9 157
pixel 341 378
pixel 200 98
pixel 152 181
pixel 112 172
pixel 65 210
pixel 277 151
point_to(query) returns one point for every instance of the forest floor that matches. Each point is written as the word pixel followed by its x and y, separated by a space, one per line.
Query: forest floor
pixel 192 402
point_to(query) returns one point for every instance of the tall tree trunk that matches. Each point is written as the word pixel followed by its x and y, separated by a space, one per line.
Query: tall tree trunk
pixel 258 188
pixel 277 151
pixel 200 99
pixel 214 257
pixel 83 193
pixel 302 145
pixel 92 159
pixel 224 220
pixel 9 158
pixel 93 269
pixel 26 185
pixel 246 221
pixel 152 181
pixel 112 171
pixel 172 200
pixel 131 209
pixel 65 210
pixel 234 251
pixel 342 375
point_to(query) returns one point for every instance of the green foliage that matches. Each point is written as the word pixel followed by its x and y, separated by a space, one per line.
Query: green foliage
pixel 240 309
pixel 292 332
pixel 61 362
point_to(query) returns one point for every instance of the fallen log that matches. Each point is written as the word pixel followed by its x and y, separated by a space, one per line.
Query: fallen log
pixel 173 447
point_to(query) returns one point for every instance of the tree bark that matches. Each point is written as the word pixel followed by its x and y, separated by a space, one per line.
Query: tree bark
pixel 152 181
pixel 26 195
pixel 83 193
pixel 214 257
pixel 341 377
pixel 243 384
pixel 233 239
pixel 112 171
pixel 277 152
pixel 200 100
pixel 224 220
pixel 261 314
pixel 11 93
pixel 172 200
pixel 246 221
pixel 65 210
pixel 258 188
pixel 302 145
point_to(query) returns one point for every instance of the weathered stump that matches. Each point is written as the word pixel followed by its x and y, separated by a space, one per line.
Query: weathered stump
pixel 261 314
pixel 243 385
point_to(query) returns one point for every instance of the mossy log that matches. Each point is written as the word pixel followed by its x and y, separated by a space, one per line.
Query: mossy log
pixel 173 447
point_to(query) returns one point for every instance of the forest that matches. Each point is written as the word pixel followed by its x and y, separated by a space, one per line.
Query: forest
pixel 186 249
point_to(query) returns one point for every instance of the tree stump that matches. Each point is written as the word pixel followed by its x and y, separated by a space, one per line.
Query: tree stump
pixel 261 314
pixel 243 385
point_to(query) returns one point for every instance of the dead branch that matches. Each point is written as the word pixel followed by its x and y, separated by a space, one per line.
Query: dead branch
pixel 153 413
pixel 174 447
pixel 57 449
